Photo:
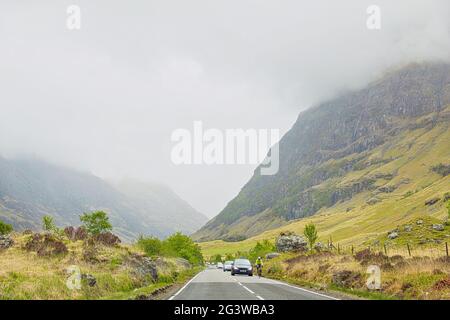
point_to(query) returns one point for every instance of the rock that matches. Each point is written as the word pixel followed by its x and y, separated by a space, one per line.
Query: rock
pixel 107 239
pixel 142 267
pixel 291 242
pixel 408 228
pixel 373 200
pixel 393 235
pixel 419 222
pixel 319 246
pixel 346 278
pixel 89 278
pixel 432 201
pixel 386 189
pixel 75 234
pixel 438 227
pixel 46 245
pixel 6 242
pixel 272 255
pixel 184 263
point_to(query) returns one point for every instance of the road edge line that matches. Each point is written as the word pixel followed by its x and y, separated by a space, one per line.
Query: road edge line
pixel 184 287
pixel 305 290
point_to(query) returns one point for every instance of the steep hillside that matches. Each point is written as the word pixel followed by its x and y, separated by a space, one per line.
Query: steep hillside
pixel 30 188
pixel 367 155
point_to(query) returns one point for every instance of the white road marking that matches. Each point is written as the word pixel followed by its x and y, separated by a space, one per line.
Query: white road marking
pixel 260 298
pixel 188 283
pixel 305 290
pixel 248 289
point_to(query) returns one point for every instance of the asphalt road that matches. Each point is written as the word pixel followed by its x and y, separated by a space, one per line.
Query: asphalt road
pixel 214 284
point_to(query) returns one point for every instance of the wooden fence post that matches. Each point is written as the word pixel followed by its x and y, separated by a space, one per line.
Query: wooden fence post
pixel 352 249
pixel 446 249
pixel 409 249
pixel 339 249
pixel 385 249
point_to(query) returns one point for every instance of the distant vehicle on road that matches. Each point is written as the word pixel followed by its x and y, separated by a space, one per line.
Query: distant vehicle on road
pixel 242 266
pixel 219 265
pixel 228 266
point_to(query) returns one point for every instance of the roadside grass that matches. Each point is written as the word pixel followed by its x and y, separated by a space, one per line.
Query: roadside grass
pixel 401 278
pixel 26 276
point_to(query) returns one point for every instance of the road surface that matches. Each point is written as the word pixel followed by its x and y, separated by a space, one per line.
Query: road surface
pixel 214 284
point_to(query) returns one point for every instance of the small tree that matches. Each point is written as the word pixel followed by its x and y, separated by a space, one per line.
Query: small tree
pixel 48 224
pixel 5 228
pixel 152 246
pixel 310 233
pixel 96 222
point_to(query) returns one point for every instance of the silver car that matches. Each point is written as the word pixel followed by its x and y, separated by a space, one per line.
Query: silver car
pixel 227 266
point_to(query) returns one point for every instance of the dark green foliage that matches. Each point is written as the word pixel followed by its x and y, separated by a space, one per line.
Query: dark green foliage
pixel 177 245
pixel 5 228
pixel 260 250
pixel 152 246
pixel 96 222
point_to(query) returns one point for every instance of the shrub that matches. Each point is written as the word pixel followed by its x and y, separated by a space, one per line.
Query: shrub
pixel 260 250
pixel 216 258
pixel 151 246
pixel 96 222
pixel 48 224
pixel 180 245
pixel 310 233
pixel 5 228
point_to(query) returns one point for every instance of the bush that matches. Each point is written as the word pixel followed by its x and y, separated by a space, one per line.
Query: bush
pixel 5 228
pixel 179 245
pixel 216 258
pixel 260 250
pixel 48 224
pixel 96 222
pixel 151 246
pixel 310 233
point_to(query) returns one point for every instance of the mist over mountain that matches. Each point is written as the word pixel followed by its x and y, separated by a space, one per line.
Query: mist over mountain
pixel 359 143
pixel 31 188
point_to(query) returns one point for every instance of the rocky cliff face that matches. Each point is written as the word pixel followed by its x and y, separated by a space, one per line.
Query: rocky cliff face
pixel 334 139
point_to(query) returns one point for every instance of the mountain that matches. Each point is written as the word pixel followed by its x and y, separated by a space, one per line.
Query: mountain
pixel 31 188
pixel 352 154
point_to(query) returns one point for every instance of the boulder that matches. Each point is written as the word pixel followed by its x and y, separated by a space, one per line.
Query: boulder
pixel 6 242
pixel 142 267
pixel 419 222
pixel 291 242
pixel 346 278
pixel 89 279
pixel 45 245
pixel 438 227
pixel 319 246
pixel 393 235
pixel 432 201
pixel 272 255
pixel 107 239
pixel 75 234
pixel 408 228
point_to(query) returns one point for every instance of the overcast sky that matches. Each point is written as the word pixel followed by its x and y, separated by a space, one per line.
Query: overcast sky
pixel 107 97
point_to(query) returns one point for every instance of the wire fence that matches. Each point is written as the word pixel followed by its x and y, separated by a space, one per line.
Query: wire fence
pixel 437 250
